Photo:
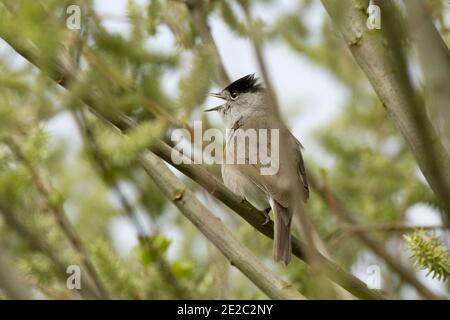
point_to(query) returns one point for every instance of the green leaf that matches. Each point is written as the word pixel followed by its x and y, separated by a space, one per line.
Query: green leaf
pixel 183 269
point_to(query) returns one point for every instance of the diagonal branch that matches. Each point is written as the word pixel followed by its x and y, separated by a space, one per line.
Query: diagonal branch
pixel 216 232
pixel 207 180
pixel 199 174
pixel 311 238
pixel 434 58
pixel 379 56
pixel 383 227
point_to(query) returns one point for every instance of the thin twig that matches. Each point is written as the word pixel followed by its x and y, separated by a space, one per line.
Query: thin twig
pixel 49 291
pixel 434 58
pixel 243 208
pixel 216 232
pixel 257 219
pixel 382 227
pixel 380 56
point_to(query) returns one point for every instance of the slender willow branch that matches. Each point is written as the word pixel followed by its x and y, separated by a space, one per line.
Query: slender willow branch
pixel 311 238
pixel 215 230
pixel 222 77
pixel 201 176
pixel 215 187
pixel 56 206
pixel 382 227
pixel 212 228
pixel 377 53
pixel 434 57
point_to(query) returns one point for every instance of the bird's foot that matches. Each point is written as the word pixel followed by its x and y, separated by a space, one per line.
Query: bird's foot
pixel 266 215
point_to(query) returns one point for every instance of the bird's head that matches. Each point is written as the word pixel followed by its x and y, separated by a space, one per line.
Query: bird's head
pixel 240 96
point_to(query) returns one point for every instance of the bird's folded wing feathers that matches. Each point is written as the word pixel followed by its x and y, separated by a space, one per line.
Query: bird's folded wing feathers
pixel 275 185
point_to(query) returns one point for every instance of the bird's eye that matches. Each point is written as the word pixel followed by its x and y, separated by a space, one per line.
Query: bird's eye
pixel 234 95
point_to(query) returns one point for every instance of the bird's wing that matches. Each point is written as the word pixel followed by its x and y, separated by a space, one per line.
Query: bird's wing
pixel 269 184
pixel 275 185
pixel 301 167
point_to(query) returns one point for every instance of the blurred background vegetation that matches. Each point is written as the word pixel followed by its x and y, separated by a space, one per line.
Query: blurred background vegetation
pixel 72 192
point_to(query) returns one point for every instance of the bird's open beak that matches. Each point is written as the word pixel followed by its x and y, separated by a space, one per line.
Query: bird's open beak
pixel 213 109
pixel 217 95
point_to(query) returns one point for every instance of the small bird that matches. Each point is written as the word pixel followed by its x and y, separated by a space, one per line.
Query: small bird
pixel 246 107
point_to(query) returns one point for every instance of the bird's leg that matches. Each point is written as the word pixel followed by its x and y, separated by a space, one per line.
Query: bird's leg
pixel 266 215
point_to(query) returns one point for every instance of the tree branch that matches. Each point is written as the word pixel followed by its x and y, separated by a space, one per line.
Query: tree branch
pixel 382 227
pixel 215 231
pixel 201 176
pixel 215 187
pixel 310 237
pixel 386 71
pixel 434 58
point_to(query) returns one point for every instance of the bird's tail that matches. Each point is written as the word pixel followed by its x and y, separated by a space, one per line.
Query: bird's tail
pixel 282 234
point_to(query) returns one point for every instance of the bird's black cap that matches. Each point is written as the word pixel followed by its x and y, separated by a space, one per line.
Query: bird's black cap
pixel 249 83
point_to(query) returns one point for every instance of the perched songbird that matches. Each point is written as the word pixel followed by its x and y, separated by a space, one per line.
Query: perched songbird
pixel 247 108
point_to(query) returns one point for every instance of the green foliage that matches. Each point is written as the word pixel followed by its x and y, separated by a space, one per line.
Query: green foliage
pixel 429 253
pixel 178 19
pixel 123 149
pixel 230 18
pixel 365 144
pixel 113 271
pixel 154 16
pixel 183 269
pixel 123 50
pixel 150 248
pixel 35 148
pixel 369 167
pixel 195 85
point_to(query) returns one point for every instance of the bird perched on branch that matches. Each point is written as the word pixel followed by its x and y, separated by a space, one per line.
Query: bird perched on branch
pixel 263 161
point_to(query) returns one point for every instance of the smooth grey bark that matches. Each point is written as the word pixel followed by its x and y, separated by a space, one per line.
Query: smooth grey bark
pixel 63 76
pixel 215 231
pixel 377 55
pixel 434 58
